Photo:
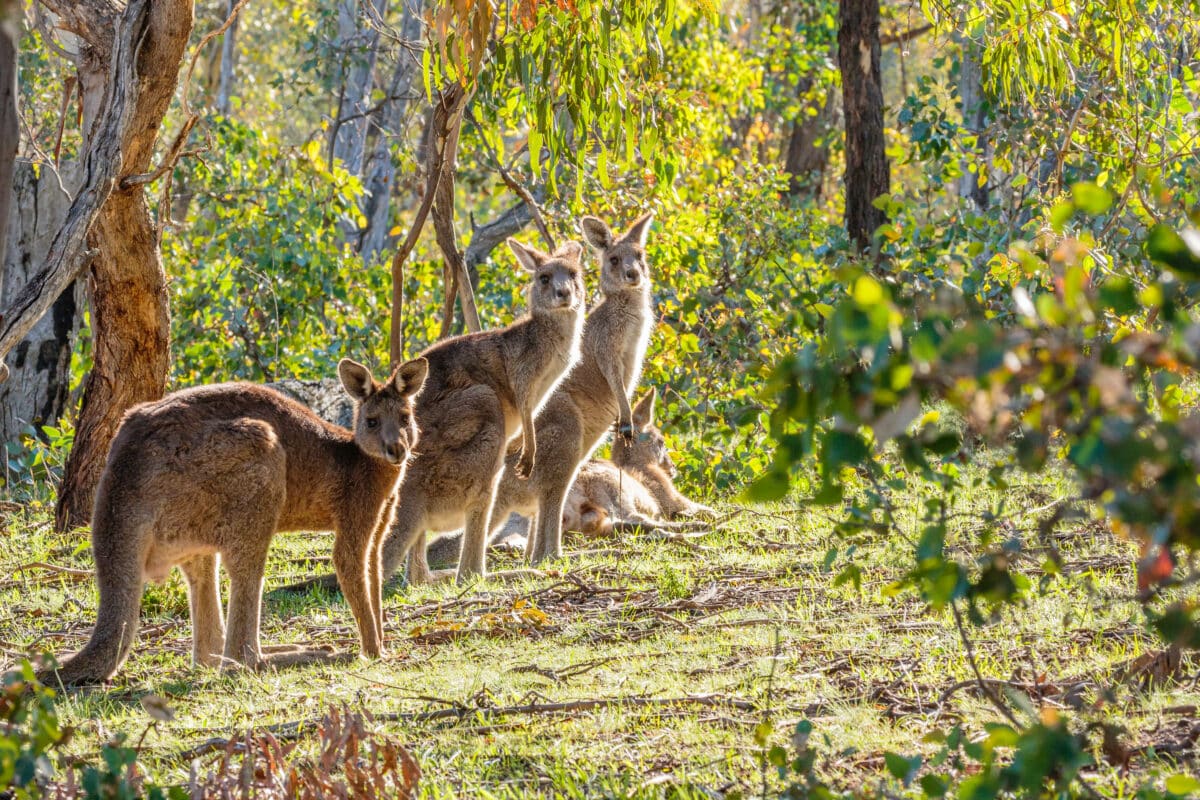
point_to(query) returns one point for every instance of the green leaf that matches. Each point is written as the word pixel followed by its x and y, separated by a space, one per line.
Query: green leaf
pixel 772 486
pixel 1091 198
pixel 1183 785
pixel 867 292
pixel 934 785
pixel 1060 214
pixel 1179 253
pixel 901 768
pixel 842 447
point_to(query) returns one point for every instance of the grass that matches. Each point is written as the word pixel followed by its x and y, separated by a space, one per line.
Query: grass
pixel 748 617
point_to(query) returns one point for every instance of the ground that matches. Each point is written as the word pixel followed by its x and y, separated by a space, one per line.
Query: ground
pixel 558 685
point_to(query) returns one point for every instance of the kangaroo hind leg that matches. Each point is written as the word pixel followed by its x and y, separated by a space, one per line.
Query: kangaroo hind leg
pixel 204 599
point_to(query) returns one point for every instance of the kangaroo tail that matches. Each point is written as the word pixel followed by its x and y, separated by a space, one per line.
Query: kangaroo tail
pixel 119 576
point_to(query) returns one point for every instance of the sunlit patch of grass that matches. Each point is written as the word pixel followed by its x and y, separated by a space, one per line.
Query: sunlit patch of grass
pixel 751 616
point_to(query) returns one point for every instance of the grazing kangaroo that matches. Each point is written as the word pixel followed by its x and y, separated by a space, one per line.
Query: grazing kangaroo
pixel 634 489
pixel 586 403
pixel 213 473
pixel 484 388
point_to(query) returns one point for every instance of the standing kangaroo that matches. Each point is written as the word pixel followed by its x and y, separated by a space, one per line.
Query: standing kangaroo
pixel 635 488
pixel 213 473
pixel 586 403
pixel 484 388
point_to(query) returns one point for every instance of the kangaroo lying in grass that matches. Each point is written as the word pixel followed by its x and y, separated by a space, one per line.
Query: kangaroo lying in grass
pixel 212 473
pixel 634 490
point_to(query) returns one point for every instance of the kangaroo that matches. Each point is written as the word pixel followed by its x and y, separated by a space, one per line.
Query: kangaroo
pixel 634 489
pixel 211 474
pixel 483 389
pixel 590 398
pixel 596 393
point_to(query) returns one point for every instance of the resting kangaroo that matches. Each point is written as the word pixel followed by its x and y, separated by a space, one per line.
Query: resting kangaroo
pixel 596 393
pixel 213 473
pixel 634 489
pixel 484 388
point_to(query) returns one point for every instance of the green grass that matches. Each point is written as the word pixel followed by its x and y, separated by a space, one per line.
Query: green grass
pixel 748 614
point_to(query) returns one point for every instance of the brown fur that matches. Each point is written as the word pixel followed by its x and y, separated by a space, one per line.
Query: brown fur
pixel 212 473
pixel 635 488
pixel 637 491
pixel 596 393
pixel 484 389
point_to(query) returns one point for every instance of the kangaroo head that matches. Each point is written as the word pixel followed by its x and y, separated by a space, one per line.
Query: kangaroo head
pixel 623 260
pixel 557 277
pixel 384 424
pixel 648 447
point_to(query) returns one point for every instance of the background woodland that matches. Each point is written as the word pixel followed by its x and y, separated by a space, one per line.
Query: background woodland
pixel 905 255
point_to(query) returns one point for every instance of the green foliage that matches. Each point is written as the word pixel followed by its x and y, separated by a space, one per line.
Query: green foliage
pixel 264 285
pixel 30 733
pixel 34 464
pixel 1070 377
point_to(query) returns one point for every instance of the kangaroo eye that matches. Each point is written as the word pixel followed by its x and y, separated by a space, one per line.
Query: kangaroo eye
pixel 545 279
pixel 372 422
pixel 614 261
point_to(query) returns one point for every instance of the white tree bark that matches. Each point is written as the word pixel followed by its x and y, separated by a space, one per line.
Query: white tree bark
pixel 228 59
pixel 380 172
pixel 359 43
pixel 36 392
pixel 975 120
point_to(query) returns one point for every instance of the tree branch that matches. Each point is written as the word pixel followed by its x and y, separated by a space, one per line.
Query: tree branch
pixel 447 123
pixel 66 257
pixel 904 37
pixel 518 188
pixel 437 161
pixel 487 237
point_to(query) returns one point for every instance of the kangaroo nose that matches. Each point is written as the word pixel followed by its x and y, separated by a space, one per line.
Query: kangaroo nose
pixel 631 275
pixel 563 294
pixel 394 451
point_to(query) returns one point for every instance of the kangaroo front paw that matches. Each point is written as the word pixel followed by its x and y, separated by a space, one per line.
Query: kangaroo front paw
pixel 625 431
pixel 525 464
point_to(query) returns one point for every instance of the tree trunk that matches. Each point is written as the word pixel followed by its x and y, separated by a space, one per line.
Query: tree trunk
pixel 975 120
pixel 228 59
pixel 9 129
pixel 36 391
pixel 446 130
pixel 359 43
pixel 380 171
pixel 867 170
pixel 126 284
pixel 808 150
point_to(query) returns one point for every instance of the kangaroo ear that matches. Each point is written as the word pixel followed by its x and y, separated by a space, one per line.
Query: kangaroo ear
pixel 596 232
pixel 643 412
pixel 410 376
pixel 571 251
pixel 356 379
pixel 529 257
pixel 639 230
